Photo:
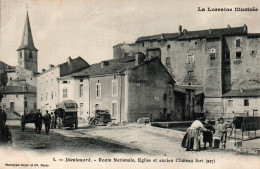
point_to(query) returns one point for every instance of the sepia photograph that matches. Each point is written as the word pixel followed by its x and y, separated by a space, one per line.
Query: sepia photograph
pixel 129 84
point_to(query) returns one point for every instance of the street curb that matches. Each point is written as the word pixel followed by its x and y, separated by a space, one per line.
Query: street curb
pixel 162 131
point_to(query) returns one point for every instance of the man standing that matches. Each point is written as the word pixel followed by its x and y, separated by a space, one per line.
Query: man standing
pixel 3 118
pixel 47 122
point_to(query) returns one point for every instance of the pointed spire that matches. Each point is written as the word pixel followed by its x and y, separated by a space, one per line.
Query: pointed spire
pixel 27 40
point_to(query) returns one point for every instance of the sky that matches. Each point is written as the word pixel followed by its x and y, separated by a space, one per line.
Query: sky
pixel 90 28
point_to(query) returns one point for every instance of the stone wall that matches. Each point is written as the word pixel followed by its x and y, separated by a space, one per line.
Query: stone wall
pixel 244 71
pixel 148 93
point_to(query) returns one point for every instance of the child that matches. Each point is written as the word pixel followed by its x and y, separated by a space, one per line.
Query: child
pixel 208 135
pixel 222 129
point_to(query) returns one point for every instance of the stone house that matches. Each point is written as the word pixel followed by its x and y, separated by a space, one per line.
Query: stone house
pixel 18 100
pixel 242 102
pixel 48 92
pixel 218 60
pixel 129 88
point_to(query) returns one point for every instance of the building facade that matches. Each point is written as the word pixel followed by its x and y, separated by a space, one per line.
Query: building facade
pixel 242 102
pixel 18 100
pixel 48 91
pixel 77 89
pixel 219 60
pixel 128 87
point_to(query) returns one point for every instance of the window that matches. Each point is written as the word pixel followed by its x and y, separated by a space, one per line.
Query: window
pixel 190 84
pixel 212 54
pixel 168 61
pixel 21 55
pixel 253 52
pixel 230 103
pixel 65 81
pixel 30 55
pixel 190 73
pixel 97 106
pixel 25 104
pixel 190 59
pixel 227 56
pixel 35 106
pixel 80 90
pixel 168 47
pixel 246 102
pixel 81 108
pixel 114 108
pixel 114 87
pixel 12 106
pixel 11 78
pixel 196 43
pixel 65 93
pixel 170 90
pixel 51 94
pixel 238 55
pixel 238 43
pixel 81 80
pixel 98 90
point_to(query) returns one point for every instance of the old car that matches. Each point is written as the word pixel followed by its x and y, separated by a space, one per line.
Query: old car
pixel 66 114
pixel 101 117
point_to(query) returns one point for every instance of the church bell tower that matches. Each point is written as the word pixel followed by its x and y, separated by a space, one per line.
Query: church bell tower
pixel 27 53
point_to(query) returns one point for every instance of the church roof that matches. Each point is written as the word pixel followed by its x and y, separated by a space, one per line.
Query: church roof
pixel 27 39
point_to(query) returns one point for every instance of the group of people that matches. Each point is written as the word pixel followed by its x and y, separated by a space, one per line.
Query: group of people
pixel 191 140
pixel 47 119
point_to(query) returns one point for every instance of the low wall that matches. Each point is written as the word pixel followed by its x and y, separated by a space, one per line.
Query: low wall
pixel 172 124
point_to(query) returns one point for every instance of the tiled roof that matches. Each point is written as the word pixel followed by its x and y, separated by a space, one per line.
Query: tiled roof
pixel 196 34
pixel 157 37
pixel 77 65
pixel 114 66
pixel 24 88
pixel 182 88
pixel 243 93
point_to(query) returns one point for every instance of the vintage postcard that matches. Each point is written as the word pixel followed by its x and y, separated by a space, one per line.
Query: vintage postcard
pixel 129 84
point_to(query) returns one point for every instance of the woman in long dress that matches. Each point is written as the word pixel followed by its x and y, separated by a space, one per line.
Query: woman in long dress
pixel 191 140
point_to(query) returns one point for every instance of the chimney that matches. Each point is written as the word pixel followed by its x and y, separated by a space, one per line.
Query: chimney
pixel 43 70
pixel 69 60
pixel 25 88
pixel 51 66
pixel 70 64
pixel 228 26
pixel 180 29
pixel 139 58
pixel 185 31
pixel 104 64
pixel 210 31
pixel 245 28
